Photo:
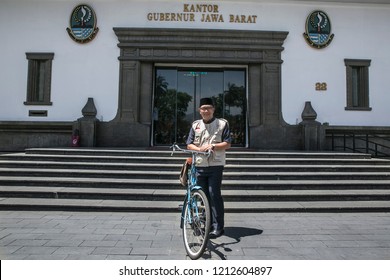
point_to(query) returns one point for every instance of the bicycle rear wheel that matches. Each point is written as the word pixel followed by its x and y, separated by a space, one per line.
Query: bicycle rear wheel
pixel 197 220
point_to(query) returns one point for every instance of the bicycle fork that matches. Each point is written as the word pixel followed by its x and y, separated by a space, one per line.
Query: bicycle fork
pixel 188 200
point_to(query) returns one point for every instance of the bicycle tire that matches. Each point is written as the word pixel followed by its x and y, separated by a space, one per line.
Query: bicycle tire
pixel 196 226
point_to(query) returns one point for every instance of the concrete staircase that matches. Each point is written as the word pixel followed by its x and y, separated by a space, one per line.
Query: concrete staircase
pixel 147 180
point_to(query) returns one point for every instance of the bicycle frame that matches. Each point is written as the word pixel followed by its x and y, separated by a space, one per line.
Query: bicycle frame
pixel 192 180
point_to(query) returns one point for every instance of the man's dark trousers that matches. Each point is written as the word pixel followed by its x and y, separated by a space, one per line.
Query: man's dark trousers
pixel 210 179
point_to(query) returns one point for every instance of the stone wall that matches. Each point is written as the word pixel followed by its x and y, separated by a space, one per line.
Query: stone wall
pixel 17 136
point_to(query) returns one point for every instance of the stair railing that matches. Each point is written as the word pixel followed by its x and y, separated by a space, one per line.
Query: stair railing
pixel 378 145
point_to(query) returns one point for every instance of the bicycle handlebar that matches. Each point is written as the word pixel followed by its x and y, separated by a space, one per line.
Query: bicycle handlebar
pixel 175 147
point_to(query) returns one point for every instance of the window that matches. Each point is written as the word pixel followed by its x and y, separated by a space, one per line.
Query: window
pixel 39 78
pixel 357 84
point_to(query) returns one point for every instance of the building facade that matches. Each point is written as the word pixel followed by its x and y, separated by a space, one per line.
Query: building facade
pixel 285 74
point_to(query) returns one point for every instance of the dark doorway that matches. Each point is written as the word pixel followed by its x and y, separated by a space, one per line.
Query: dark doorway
pixel 176 97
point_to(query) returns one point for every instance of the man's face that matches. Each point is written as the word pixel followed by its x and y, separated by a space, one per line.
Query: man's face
pixel 207 112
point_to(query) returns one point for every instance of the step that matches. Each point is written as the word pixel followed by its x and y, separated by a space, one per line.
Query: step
pixel 142 174
pixel 43 204
pixel 173 183
pixel 16 164
pixel 178 194
pixel 180 159
pixel 165 152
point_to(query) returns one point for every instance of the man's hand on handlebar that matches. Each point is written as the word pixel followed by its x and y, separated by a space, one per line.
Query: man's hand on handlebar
pixel 206 148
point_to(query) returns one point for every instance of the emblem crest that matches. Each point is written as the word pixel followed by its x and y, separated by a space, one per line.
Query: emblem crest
pixel 318 30
pixel 82 25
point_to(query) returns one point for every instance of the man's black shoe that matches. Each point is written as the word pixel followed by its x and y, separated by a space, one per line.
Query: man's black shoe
pixel 216 233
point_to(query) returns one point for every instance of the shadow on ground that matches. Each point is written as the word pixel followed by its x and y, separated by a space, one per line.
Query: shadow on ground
pixel 220 246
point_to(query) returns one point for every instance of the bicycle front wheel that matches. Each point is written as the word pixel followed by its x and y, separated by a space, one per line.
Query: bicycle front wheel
pixel 196 228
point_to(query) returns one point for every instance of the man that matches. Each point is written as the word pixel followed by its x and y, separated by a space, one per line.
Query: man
pixel 210 133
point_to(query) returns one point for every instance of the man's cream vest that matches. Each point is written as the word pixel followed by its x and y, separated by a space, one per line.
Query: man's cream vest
pixel 210 134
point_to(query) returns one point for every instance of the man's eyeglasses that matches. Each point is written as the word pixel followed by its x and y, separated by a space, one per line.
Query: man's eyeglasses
pixel 206 108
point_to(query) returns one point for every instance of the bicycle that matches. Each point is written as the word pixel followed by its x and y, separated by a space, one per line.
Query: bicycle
pixel 196 212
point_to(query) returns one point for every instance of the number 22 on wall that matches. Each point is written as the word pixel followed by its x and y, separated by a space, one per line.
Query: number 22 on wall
pixel 321 86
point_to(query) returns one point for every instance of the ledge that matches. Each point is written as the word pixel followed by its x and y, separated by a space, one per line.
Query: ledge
pixel 35 126
pixel 358 108
pixel 202 45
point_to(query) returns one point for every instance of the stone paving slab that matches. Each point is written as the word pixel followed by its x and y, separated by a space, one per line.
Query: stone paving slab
pixel 154 236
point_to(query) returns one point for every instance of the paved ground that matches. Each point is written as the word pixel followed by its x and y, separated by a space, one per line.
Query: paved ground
pixel 275 236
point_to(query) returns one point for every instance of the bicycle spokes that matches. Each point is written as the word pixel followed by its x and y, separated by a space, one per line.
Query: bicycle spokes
pixel 196 224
